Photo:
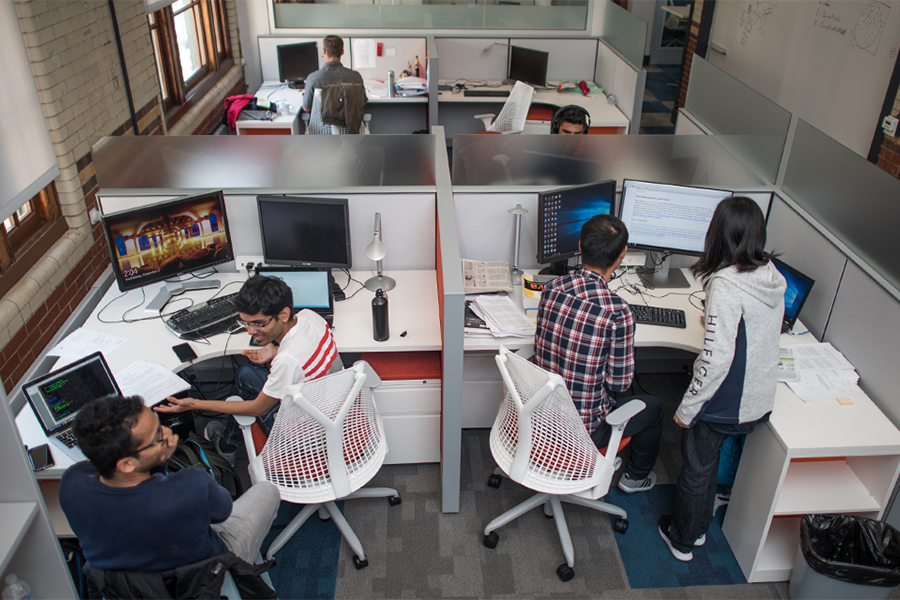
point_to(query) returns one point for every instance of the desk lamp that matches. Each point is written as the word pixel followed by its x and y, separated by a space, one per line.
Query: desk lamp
pixel 377 251
pixel 516 272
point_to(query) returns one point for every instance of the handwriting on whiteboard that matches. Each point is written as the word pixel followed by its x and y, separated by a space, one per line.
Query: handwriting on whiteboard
pixel 828 19
pixel 754 17
pixel 869 25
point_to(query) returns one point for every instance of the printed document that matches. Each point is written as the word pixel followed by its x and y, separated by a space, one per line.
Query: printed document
pixel 481 276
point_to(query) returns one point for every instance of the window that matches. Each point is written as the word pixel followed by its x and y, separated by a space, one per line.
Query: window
pixel 27 234
pixel 190 41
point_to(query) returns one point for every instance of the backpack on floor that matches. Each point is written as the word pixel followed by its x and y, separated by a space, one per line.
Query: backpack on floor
pixel 198 452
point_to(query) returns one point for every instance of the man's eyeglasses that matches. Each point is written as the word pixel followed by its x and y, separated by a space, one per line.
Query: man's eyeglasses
pixel 254 324
pixel 159 440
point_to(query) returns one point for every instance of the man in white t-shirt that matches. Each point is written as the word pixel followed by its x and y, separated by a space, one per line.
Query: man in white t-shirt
pixel 291 350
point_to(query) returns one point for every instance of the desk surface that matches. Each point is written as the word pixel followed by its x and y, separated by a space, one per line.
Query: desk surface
pixel 603 114
pixel 280 92
pixel 413 308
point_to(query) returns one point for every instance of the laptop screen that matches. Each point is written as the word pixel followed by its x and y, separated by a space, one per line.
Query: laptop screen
pixel 311 289
pixel 798 288
pixel 58 396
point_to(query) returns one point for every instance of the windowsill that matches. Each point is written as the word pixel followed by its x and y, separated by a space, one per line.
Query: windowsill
pixel 174 114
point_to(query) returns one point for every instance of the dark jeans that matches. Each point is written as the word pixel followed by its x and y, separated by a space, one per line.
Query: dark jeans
pixel 695 492
pixel 248 383
pixel 645 429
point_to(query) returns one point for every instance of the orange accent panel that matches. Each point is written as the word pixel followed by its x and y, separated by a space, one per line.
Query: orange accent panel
pixel 404 366
pixel 819 459
pixel 603 130
pixel 540 112
pixel 267 131
pixel 622 444
pixel 488 133
pixel 259 438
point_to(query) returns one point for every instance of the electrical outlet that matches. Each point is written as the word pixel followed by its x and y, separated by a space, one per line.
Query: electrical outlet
pixel 634 259
pixel 241 261
pixel 890 125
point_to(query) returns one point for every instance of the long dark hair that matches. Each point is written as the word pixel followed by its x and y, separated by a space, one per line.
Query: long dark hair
pixel 736 236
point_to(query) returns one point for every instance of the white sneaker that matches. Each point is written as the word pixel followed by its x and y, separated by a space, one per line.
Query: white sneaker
pixel 700 540
pixel 630 486
pixel 665 522
pixel 213 432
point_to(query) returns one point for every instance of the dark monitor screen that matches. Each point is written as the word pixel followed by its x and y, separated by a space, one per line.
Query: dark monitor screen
pixel 158 241
pixel 297 61
pixel 668 217
pixel 561 214
pixel 527 65
pixel 798 289
pixel 305 232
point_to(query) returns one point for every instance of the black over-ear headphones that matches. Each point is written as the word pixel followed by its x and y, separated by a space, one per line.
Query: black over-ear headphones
pixel 556 123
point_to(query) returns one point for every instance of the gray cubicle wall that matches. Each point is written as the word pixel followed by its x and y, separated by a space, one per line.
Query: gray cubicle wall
pixel 727 107
pixel 624 31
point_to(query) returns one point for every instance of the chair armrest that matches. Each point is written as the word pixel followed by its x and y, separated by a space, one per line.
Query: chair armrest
pixel 622 415
pixel 242 420
pixel 304 115
pixel 485 116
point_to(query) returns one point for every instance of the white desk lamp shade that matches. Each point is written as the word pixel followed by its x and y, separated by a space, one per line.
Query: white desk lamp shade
pixel 376 250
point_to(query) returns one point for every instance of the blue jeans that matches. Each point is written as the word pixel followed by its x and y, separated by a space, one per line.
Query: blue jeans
pixel 645 430
pixel 695 491
pixel 248 383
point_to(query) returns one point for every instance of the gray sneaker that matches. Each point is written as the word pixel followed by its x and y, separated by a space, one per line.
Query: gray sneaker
pixel 213 432
pixel 630 486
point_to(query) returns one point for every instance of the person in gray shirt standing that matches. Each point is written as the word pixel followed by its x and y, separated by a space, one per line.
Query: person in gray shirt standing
pixel 332 72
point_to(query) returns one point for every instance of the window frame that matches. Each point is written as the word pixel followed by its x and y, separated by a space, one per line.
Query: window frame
pixel 210 19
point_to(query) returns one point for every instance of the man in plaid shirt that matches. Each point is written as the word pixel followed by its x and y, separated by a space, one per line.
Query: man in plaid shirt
pixel 585 333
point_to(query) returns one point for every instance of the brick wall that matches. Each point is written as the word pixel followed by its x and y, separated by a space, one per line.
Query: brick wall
pixel 889 155
pixel 75 60
pixel 689 53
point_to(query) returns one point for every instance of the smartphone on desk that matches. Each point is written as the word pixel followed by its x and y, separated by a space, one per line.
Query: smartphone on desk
pixel 40 457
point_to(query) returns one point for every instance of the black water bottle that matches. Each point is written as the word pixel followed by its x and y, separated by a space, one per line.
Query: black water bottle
pixel 380 330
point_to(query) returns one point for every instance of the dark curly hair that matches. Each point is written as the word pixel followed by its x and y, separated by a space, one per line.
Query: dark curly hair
pixel 266 295
pixel 103 430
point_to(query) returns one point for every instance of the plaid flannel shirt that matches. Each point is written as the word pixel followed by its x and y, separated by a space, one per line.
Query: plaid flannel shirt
pixel 585 333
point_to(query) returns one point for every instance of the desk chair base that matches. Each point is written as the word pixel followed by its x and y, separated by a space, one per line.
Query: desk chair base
pixel 330 510
pixel 552 510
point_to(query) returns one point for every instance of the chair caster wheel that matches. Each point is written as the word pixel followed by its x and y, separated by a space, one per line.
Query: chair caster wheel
pixel 360 564
pixel 325 519
pixel 491 539
pixel 621 525
pixel 565 572
pixel 394 500
pixel 494 481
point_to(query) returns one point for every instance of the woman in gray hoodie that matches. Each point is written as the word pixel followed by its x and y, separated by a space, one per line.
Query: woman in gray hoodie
pixel 733 386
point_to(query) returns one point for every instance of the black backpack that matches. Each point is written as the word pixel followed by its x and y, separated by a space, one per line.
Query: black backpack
pixel 198 452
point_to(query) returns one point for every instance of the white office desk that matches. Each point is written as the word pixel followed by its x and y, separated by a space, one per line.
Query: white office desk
pixel 413 308
pixel 603 114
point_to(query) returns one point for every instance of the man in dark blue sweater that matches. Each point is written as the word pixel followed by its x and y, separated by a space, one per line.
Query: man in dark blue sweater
pixel 129 514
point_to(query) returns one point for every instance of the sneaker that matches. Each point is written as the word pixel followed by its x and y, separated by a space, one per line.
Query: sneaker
pixel 213 432
pixel 700 540
pixel 630 486
pixel 665 522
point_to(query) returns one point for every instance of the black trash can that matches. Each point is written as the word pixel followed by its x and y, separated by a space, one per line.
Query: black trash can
pixel 842 556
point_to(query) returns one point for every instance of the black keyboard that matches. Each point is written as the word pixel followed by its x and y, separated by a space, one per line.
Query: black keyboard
pixel 654 315
pixel 212 317
pixel 487 93
pixel 67 437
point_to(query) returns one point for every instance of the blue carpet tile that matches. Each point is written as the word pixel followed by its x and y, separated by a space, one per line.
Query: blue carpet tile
pixel 655 107
pixel 648 562
pixel 306 567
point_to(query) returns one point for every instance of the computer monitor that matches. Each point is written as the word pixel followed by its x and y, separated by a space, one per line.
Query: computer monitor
pixel 798 288
pixel 305 232
pixel 667 218
pixel 527 65
pixel 296 62
pixel 158 242
pixel 561 214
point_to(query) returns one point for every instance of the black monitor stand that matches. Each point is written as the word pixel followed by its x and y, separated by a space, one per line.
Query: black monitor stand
pixel 559 267
pixel 297 84
pixel 661 276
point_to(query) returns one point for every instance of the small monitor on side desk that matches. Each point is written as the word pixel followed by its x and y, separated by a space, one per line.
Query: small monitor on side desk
pixel 162 241
pixel 667 218
pixel 528 66
pixel 296 62
pixel 561 214
pixel 312 233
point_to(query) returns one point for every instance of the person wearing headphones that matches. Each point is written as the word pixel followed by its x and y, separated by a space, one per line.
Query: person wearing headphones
pixel 570 120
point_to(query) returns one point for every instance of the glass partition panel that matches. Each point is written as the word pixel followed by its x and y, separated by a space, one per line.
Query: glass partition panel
pixel 569 15
pixel 554 160
pixel 250 162
pixel 851 197
pixel 625 32
pixel 728 107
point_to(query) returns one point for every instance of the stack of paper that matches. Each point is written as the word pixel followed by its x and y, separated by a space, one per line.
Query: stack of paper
pixel 475 325
pixel 502 316
pixel 818 373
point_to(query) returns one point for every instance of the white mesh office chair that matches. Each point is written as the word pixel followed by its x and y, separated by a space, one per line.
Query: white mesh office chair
pixel 315 126
pixel 539 440
pixel 514 112
pixel 326 444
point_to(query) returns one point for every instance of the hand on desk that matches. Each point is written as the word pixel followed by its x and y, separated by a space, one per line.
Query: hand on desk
pixel 263 355
pixel 175 405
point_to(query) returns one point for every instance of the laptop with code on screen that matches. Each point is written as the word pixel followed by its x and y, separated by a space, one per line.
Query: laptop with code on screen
pixel 58 396
pixel 311 289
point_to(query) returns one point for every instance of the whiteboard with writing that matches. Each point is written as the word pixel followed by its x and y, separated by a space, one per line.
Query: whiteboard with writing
pixel 827 61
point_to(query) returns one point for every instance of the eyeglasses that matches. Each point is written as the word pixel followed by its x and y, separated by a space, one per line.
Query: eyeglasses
pixel 254 324
pixel 159 440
